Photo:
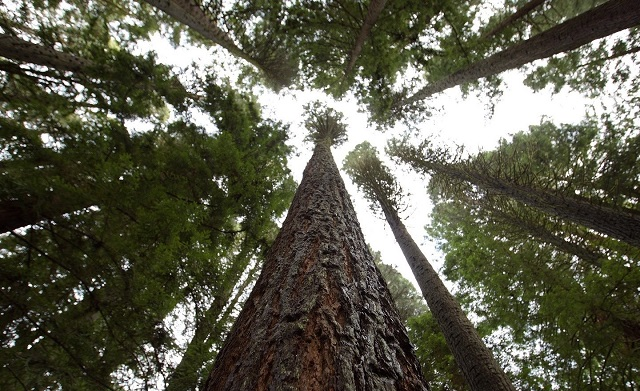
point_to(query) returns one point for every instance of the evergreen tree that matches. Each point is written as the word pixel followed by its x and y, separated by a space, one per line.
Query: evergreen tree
pixel 276 67
pixel 549 288
pixel 503 175
pixel 611 17
pixel 150 226
pixel 474 359
pixel 408 301
pixel 320 315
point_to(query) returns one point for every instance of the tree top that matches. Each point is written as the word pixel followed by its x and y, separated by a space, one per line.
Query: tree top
pixel 325 125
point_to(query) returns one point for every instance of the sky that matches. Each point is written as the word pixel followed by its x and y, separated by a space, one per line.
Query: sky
pixel 457 120
pixel 460 121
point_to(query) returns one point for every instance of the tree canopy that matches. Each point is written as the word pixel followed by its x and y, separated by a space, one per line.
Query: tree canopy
pixel 138 198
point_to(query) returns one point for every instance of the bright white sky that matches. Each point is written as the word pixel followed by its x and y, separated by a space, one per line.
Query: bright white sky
pixel 463 121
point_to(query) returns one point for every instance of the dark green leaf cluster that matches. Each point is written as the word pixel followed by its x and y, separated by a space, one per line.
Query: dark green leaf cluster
pixel 409 302
pixel 563 298
pixel 126 234
pixel 373 178
pixel 325 125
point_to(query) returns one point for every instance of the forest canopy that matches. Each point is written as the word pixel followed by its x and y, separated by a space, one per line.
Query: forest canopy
pixel 139 198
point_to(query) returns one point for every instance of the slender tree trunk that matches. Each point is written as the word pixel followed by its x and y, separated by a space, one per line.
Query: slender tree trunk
pixel 191 14
pixel 618 224
pixel 520 13
pixel 320 316
pixel 20 50
pixel 604 20
pixel 209 330
pixel 18 214
pixel 546 236
pixel 373 12
pixel 475 360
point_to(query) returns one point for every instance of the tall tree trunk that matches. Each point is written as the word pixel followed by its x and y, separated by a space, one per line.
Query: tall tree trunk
pixel 20 50
pixel 520 13
pixel 618 224
pixel 191 14
pixel 604 20
pixel 475 360
pixel 320 315
pixel 373 12
pixel 21 213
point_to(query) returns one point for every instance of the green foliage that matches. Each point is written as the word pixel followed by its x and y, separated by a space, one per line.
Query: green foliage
pixel 562 299
pixel 325 125
pixel 373 178
pixel 592 68
pixel 438 365
pixel 407 299
pixel 128 233
pixel 260 31
pixel 147 227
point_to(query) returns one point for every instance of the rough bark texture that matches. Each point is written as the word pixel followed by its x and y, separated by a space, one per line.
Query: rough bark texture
pixel 189 13
pixel 18 214
pixel 24 51
pixel 604 20
pixel 474 359
pixel 619 224
pixel 373 12
pixel 320 316
pixel 520 13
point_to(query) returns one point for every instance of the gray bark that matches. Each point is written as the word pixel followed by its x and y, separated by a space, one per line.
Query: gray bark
pixel 320 316
pixel 475 360
pixel 24 51
pixel 373 12
pixel 604 20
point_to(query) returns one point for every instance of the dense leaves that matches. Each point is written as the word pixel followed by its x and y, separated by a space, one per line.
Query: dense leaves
pixel 136 200
pixel 561 298
pixel 128 234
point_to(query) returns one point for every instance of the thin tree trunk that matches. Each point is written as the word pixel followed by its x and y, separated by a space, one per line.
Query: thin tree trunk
pixel 618 224
pixel 190 14
pixel 542 234
pixel 373 12
pixel 209 331
pixel 520 13
pixel 20 50
pixel 475 360
pixel 604 20
pixel 18 214
pixel 320 316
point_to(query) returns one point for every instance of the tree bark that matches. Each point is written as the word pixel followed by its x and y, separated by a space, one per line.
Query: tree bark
pixel 604 20
pixel 520 13
pixel 320 316
pixel 190 14
pixel 619 224
pixel 373 12
pixel 18 214
pixel 474 359
pixel 20 50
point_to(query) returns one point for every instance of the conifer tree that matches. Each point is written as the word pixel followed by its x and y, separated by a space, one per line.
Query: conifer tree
pixel 474 359
pixel 604 20
pixel 320 316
